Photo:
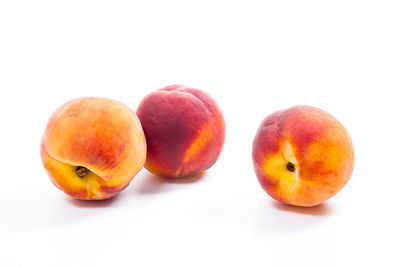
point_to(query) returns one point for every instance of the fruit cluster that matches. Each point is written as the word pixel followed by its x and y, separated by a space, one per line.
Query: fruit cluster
pixel 93 147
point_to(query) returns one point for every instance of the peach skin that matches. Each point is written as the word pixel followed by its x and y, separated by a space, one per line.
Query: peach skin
pixel 302 156
pixel 184 129
pixel 93 147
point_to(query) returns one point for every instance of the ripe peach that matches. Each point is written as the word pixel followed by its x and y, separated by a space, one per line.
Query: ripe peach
pixel 184 128
pixel 302 156
pixel 93 147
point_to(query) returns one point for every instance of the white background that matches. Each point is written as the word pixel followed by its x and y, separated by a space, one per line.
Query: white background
pixel 253 57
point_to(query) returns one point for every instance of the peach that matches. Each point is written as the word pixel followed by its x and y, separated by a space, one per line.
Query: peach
pixel 302 156
pixel 93 147
pixel 184 129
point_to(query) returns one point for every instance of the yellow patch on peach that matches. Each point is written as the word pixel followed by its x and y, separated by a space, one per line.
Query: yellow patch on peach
pixel 275 166
pixel 204 136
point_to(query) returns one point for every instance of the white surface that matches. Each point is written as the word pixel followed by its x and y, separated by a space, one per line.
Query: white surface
pixel 254 57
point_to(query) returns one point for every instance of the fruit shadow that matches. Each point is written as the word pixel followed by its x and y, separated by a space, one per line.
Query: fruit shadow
pixel 92 203
pixel 318 210
pixel 152 184
pixel 278 218
pixel 77 209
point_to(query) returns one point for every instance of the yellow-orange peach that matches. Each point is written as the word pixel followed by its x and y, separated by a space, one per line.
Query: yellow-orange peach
pixel 184 129
pixel 302 156
pixel 93 147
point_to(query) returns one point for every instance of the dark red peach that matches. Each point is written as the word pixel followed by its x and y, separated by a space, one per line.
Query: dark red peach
pixel 184 129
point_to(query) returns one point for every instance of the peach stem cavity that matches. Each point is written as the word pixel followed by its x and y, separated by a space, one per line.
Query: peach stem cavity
pixel 291 167
pixel 81 171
